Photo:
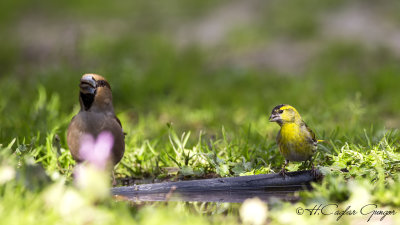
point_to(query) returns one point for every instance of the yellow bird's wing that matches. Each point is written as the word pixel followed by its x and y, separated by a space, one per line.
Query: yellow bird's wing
pixel 278 138
pixel 312 137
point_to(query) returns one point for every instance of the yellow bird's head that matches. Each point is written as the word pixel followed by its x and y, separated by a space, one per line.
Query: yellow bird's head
pixel 282 114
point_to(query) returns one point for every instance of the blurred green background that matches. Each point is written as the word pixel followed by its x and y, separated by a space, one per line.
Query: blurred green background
pixel 201 66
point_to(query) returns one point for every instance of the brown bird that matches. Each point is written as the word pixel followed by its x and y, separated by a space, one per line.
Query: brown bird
pixel 96 115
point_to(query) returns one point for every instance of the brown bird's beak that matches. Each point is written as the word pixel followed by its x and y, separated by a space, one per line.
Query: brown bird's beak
pixel 88 85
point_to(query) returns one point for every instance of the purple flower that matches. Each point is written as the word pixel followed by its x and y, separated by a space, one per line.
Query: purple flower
pixel 97 152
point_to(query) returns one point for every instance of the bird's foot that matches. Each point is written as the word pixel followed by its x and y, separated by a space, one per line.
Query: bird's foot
pixel 283 173
pixel 315 172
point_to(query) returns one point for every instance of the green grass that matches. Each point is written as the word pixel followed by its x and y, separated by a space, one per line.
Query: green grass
pixel 181 109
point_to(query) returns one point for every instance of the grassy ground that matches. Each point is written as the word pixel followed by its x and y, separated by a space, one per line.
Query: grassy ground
pixel 196 106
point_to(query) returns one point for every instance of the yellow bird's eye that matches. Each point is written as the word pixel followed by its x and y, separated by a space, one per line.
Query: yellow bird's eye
pixel 280 111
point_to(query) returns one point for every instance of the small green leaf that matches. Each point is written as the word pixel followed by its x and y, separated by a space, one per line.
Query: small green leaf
pixel 223 170
pixel 238 169
pixel 186 171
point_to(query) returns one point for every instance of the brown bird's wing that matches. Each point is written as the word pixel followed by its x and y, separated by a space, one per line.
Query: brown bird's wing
pixel 119 122
pixel 73 136
pixel 113 124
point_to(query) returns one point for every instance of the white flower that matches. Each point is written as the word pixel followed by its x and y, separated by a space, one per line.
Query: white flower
pixel 7 173
pixel 254 211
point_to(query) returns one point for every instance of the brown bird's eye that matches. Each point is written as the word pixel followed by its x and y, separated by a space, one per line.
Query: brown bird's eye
pixel 280 111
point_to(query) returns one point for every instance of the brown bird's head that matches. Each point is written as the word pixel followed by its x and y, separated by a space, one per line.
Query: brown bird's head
pixel 95 93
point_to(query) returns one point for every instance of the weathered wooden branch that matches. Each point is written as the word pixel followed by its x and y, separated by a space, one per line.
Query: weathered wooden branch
pixel 231 189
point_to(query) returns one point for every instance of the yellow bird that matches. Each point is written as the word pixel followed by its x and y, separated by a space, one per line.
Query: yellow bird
pixel 296 141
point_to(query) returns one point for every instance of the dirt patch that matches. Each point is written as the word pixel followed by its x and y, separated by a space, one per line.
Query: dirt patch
pixel 212 28
pixel 363 23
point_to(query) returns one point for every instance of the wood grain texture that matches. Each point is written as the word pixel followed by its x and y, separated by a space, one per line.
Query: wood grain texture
pixel 231 189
